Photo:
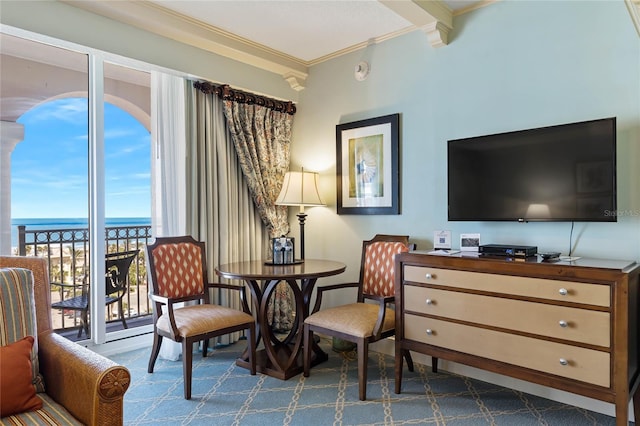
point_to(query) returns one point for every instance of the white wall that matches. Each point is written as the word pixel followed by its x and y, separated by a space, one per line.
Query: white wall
pixel 509 66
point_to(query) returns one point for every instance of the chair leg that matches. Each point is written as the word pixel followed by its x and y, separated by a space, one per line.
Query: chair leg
pixel 205 347
pixel 155 350
pixel 84 323
pixel 407 356
pixel 187 363
pixel 363 355
pixel 434 364
pixel 121 309
pixel 306 350
pixel 251 339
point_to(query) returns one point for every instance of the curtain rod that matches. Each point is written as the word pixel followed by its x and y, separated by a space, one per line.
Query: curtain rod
pixel 227 93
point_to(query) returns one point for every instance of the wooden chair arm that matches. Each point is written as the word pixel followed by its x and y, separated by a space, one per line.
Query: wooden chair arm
pixel 320 291
pixel 240 288
pixel 90 386
pixel 382 311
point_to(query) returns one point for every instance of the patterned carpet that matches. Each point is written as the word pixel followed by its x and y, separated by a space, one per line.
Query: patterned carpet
pixel 224 394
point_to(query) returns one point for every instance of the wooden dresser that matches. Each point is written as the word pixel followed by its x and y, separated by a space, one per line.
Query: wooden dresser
pixel 568 325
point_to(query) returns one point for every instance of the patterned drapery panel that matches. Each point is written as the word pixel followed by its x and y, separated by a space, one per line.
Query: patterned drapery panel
pixel 262 138
pixel 261 135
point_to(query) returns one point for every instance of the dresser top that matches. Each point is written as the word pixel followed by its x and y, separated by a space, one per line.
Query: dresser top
pixel 584 262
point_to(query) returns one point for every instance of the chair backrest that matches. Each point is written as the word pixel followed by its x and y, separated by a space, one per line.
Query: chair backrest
pixel 377 268
pixel 177 266
pixel 41 286
pixel 117 271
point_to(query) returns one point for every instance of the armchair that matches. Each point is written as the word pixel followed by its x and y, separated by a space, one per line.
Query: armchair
pixel 362 322
pixel 79 385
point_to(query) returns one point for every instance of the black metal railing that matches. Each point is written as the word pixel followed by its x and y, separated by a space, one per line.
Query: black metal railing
pixel 67 253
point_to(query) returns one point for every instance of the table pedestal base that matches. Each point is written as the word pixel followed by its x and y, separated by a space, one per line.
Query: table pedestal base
pixel 265 366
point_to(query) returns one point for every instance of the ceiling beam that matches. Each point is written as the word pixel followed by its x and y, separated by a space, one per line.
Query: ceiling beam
pixel 162 21
pixel 634 10
pixel 434 17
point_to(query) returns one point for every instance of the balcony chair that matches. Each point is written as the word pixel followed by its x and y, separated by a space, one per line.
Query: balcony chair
pixel 178 270
pixel 116 286
pixel 74 384
pixel 362 322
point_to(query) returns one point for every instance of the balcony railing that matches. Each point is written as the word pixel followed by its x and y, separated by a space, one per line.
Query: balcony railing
pixel 67 252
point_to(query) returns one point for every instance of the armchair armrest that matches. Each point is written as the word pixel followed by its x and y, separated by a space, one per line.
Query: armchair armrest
pixel 240 288
pixel 320 291
pixel 90 386
pixel 382 301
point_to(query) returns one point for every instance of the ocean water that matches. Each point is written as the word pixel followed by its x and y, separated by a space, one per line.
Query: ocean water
pixel 70 223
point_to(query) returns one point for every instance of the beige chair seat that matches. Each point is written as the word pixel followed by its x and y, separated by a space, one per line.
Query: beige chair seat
pixel 354 319
pixel 201 319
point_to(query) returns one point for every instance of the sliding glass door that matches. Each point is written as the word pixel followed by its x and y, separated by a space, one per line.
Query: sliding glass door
pixel 79 180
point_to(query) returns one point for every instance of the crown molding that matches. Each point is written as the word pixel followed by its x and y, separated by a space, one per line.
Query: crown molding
pixel 634 11
pixel 162 21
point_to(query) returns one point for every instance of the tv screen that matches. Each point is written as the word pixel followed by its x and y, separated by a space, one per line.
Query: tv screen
pixel 557 173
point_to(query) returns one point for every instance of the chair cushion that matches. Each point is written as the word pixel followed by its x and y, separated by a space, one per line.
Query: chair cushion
pixel 199 319
pixel 51 413
pixel 378 268
pixel 355 319
pixel 17 392
pixel 18 313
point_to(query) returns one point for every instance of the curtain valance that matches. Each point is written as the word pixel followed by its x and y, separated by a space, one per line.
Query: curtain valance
pixel 225 92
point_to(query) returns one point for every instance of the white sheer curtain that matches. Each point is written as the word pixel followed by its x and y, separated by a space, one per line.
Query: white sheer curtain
pixel 168 167
pixel 220 208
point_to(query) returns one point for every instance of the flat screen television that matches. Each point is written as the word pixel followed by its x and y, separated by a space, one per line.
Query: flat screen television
pixel 558 173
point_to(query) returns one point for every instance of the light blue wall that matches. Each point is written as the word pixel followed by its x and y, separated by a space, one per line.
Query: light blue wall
pixel 508 66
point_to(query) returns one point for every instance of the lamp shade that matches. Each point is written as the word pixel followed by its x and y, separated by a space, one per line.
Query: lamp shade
pixel 300 189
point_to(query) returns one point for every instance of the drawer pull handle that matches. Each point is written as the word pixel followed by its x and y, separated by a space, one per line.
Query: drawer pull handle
pixel 563 292
pixel 429 302
pixel 428 276
pixel 564 361
pixel 563 324
pixel 429 332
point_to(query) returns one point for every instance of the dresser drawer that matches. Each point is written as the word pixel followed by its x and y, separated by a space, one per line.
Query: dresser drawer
pixel 561 322
pixel 567 291
pixel 586 365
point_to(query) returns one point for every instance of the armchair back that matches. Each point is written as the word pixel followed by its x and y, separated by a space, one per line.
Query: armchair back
pixel 41 287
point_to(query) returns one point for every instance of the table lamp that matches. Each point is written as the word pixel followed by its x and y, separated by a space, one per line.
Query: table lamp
pixel 300 189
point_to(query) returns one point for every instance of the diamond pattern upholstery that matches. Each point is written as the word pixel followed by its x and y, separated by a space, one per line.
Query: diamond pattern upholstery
pixel 179 269
pixel 379 278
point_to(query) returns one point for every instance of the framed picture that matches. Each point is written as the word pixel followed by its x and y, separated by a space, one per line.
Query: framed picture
pixel 367 166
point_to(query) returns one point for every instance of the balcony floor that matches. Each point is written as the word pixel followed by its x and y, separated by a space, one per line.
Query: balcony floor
pixel 72 333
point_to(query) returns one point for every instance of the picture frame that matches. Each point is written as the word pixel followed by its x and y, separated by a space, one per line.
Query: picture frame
pixel 367 169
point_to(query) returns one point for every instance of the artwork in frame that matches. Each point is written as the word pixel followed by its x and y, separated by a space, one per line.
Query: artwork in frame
pixel 367 166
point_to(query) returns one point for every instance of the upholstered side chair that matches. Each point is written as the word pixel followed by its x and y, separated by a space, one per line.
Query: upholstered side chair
pixel 371 317
pixel 183 311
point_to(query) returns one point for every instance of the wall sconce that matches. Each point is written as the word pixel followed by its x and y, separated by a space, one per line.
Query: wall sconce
pixel 300 189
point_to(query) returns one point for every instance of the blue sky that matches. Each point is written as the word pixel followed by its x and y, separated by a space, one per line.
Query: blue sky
pixel 49 168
